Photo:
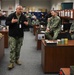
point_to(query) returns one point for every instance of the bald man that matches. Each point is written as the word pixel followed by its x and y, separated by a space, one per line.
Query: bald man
pixel 16 21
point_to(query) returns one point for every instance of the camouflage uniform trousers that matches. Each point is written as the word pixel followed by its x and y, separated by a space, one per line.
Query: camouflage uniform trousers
pixel 15 47
pixel 72 36
pixel 55 34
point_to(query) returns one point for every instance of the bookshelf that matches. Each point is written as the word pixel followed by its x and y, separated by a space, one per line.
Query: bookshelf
pixel 66 15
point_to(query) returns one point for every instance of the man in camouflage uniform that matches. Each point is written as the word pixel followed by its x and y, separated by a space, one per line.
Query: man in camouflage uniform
pixel 35 21
pixel 16 21
pixel 28 16
pixel 72 31
pixel 53 26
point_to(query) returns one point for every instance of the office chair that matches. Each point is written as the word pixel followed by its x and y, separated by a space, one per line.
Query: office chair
pixel 64 35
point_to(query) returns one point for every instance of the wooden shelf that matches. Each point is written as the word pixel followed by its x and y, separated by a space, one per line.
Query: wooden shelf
pixel 68 14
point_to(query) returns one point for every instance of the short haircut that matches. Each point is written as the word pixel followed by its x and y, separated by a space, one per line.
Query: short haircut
pixel 55 11
pixel 19 6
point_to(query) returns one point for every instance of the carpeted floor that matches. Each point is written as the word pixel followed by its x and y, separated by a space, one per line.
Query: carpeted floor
pixel 30 58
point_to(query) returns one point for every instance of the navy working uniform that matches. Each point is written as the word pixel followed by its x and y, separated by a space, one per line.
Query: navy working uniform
pixel 54 26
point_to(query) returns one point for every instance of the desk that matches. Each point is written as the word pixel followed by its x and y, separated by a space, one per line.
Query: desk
pixel 38 38
pixel 5 33
pixel 55 57
pixel 35 27
pixel 1 47
pixel 38 44
pixel 65 71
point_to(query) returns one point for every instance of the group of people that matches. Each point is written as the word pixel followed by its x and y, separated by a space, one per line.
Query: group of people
pixel 51 20
pixel 16 22
pixel 54 27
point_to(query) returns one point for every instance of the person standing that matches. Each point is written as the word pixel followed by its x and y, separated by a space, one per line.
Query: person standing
pixel 48 15
pixel 42 20
pixel 28 16
pixel 16 21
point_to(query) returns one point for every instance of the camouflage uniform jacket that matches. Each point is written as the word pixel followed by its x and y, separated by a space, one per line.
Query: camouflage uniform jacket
pixel 54 23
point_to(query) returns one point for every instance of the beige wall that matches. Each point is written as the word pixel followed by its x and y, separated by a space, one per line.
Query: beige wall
pixel 7 4
pixel 36 4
